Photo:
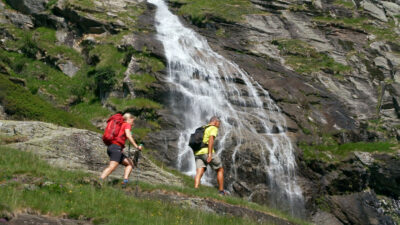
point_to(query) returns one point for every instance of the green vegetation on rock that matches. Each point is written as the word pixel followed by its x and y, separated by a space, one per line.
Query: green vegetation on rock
pixel 142 82
pixel 110 56
pixel 90 110
pixel 335 152
pixel 27 182
pixel 382 31
pixel 40 78
pixel 135 104
pixel 42 40
pixel 21 104
pixel 201 11
pixel 305 59
pixel 345 3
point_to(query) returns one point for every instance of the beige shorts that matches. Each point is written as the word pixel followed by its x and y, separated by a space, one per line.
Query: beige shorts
pixel 201 161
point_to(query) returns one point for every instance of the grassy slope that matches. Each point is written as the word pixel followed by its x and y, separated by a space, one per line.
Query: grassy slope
pixel 23 179
pixel 78 94
pixel 21 104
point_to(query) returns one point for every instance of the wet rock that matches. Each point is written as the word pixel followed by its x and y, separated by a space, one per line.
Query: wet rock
pixel 260 194
pixel 325 218
pixel 359 208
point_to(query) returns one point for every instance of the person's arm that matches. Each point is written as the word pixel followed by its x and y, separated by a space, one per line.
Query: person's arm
pixel 210 147
pixel 131 140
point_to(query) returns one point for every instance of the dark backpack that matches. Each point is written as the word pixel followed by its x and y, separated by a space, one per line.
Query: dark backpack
pixel 196 139
pixel 114 124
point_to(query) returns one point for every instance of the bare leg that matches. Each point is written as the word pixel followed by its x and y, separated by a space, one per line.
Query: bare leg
pixel 107 171
pixel 197 178
pixel 128 167
pixel 220 178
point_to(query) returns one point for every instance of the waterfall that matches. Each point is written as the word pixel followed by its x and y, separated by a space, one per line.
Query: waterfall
pixel 251 123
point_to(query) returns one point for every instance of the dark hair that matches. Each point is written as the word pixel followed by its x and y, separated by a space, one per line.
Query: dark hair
pixel 214 118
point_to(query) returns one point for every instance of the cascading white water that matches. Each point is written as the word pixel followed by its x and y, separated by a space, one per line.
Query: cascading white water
pixel 208 85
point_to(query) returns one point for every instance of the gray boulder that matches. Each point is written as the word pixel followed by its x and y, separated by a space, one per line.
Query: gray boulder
pixel 391 8
pixel 374 11
pixel 19 20
pixel 68 68
pixel 71 148
pixel 28 6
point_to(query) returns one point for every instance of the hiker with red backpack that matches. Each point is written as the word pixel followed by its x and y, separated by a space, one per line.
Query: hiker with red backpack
pixel 118 130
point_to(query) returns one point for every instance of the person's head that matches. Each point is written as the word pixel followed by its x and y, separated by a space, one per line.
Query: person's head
pixel 129 118
pixel 215 121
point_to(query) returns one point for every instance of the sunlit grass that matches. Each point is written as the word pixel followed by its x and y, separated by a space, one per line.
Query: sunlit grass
pixel 65 194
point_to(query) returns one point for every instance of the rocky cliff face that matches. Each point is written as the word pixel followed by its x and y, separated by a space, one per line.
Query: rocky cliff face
pixel 331 66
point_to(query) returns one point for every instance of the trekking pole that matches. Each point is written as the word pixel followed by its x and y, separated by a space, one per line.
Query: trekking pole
pixel 137 171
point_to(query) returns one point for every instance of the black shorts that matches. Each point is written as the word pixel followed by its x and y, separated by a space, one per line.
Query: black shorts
pixel 115 153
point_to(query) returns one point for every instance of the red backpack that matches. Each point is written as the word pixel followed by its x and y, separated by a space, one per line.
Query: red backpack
pixel 114 124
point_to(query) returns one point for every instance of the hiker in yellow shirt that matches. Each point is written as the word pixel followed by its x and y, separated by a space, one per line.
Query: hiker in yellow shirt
pixel 206 155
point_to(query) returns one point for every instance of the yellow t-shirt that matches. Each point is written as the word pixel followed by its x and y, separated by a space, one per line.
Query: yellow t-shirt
pixel 210 131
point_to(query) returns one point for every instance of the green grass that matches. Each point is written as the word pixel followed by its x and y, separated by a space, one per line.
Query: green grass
pixel 39 76
pixel 382 31
pixel 136 103
pixel 140 133
pixel 68 195
pixel 83 4
pixel 345 3
pixel 141 82
pixel 336 152
pixel 90 110
pixel 21 104
pixel 211 192
pixel 45 40
pixel 51 3
pixel 201 11
pixel 148 62
pixel 305 59
pixel 111 57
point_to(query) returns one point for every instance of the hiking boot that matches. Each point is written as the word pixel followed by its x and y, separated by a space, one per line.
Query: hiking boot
pixel 223 192
pixel 124 183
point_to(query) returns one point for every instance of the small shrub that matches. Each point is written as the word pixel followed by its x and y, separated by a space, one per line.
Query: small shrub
pixel 30 47
pixel 104 80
